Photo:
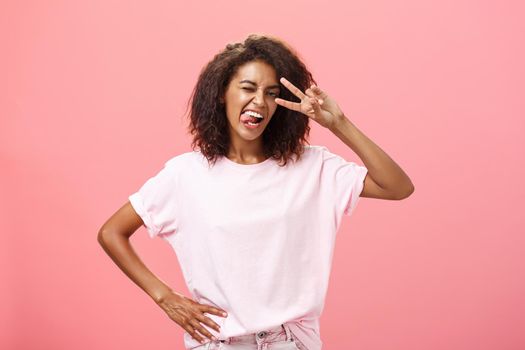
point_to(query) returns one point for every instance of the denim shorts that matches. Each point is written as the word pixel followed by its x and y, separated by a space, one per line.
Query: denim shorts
pixel 277 338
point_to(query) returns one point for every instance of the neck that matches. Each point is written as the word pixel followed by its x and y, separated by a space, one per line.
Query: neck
pixel 246 152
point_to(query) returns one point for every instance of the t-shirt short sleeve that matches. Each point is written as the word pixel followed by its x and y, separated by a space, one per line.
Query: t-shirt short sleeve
pixel 347 178
pixel 156 202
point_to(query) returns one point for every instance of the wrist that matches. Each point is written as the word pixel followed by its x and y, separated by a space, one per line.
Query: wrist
pixel 338 122
pixel 158 295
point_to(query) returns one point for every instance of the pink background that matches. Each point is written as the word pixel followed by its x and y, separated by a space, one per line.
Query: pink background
pixel 92 101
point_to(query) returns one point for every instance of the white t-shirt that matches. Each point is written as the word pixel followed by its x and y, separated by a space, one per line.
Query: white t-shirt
pixel 255 240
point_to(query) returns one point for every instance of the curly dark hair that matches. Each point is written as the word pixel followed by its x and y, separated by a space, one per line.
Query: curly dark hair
pixel 287 131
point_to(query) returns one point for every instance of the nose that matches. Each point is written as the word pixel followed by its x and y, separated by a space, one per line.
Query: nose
pixel 259 97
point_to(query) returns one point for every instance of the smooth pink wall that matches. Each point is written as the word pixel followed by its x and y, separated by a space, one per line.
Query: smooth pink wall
pixel 92 99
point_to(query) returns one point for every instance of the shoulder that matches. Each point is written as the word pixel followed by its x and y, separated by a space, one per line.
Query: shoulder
pixel 315 149
pixel 323 153
pixel 183 159
pixel 312 156
pixel 317 152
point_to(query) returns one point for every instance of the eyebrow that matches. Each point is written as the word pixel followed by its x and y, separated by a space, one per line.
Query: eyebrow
pixel 251 82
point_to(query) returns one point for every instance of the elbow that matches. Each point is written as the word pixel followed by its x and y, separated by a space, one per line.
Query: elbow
pixel 406 193
pixel 104 237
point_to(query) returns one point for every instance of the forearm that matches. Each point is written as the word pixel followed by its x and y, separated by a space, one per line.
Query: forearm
pixel 381 168
pixel 120 250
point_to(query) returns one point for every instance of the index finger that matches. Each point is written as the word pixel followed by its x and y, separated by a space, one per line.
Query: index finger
pixel 292 88
pixel 214 310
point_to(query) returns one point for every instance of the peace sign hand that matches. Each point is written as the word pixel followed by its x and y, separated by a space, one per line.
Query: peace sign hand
pixel 315 104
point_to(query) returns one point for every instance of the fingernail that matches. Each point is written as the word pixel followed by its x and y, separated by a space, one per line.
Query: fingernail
pixel 224 314
pixel 214 339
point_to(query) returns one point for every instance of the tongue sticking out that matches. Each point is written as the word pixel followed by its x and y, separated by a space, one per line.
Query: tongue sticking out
pixel 248 118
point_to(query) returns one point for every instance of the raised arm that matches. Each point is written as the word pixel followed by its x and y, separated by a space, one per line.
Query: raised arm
pixel 385 179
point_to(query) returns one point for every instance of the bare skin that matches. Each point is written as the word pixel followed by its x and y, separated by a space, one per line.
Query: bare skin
pixel 254 87
pixel 385 178
pixel 114 238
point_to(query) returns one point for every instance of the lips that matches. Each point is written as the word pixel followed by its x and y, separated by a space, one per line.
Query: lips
pixel 245 118
pixel 249 115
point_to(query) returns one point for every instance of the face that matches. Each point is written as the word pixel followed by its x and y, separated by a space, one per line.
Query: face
pixel 250 94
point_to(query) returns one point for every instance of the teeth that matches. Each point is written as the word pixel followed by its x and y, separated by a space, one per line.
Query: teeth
pixel 254 114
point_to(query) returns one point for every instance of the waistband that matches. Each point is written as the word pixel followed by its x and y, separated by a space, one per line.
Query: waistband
pixel 278 333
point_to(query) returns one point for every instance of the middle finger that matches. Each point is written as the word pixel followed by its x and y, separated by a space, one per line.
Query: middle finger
pixel 209 322
pixel 292 88
pixel 197 326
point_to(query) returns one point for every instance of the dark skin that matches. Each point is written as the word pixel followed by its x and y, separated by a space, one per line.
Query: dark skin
pixel 114 238
pixel 115 233
pixel 385 180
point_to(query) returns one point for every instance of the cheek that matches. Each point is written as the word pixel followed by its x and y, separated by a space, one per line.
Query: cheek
pixel 273 107
pixel 230 113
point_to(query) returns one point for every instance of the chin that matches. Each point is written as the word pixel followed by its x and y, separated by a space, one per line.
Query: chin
pixel 251 134
pixel 251 137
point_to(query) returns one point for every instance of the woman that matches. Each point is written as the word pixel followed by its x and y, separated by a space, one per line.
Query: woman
pixel 252 215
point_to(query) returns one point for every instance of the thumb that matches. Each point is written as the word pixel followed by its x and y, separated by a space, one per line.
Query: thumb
pixel 309 92
pixel 316 106
pixel 316 90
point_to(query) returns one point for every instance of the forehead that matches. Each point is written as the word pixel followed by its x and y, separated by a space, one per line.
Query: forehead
pixel 258 71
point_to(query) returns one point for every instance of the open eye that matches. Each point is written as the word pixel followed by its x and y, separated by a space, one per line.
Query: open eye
pixel 273 94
